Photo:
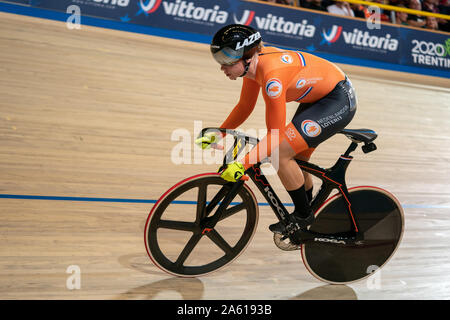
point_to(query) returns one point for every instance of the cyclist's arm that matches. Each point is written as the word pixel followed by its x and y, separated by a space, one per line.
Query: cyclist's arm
pixel 245 106
pixel 275 122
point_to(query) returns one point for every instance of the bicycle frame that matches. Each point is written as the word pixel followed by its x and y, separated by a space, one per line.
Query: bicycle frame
pixel 333 236
pixel 332 178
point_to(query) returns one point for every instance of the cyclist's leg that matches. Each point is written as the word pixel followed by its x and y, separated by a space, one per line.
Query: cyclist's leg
pixel 287 153
pixel 305 156
pixel 289 172
pixel 292 178
pixel 310 127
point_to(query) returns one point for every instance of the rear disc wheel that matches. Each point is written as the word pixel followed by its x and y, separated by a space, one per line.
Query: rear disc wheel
pixel 381 222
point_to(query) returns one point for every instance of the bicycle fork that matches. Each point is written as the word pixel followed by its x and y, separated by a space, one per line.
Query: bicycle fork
pixel 210 222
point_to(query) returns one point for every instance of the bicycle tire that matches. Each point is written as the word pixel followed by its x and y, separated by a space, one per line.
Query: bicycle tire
pixel 157 227
pixel 381 221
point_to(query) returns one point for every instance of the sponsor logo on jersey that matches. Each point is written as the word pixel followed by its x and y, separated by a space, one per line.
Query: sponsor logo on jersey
pixel 300 83
pixel 274 88
pixel 290 133
pixel 285 58
pixel 311 128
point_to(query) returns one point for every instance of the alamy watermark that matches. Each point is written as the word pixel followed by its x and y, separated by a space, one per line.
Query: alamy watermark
pixel 374 20
pixel 74 20
pixel 374 281
pixel 185 151
pixel 73 282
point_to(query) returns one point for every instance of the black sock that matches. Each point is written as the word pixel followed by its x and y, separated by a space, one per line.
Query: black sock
pixel 300 201
pixel 309 194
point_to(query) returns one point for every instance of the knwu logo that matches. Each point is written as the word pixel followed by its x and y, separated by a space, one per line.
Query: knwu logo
pixel 185 9
pixel 277 24
pixel 274 88
pixel 311 128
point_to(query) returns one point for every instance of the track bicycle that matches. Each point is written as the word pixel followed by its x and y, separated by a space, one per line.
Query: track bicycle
pixel 203 223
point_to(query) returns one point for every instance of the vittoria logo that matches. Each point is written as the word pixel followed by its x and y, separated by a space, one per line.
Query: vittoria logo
pixel 246 18
pixel 359 38
pixel 365 39
pixel 277 24
pixel 184 9
pixel 332 35
pixel 274 88
pixel 311 128
pixel 150 6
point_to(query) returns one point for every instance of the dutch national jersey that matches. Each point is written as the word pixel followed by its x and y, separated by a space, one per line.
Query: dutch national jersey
pixel 282 76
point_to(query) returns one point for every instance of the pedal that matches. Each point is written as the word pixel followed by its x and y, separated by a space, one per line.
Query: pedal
pixel 284 243
pixel 291 228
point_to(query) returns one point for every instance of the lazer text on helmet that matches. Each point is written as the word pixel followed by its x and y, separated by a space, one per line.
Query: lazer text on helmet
pixel 254 37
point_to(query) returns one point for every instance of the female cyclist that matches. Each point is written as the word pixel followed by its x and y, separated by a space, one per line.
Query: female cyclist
pixel 327 104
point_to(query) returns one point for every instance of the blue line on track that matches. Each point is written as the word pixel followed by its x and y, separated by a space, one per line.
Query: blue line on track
pixel 120 200
pixel 87 199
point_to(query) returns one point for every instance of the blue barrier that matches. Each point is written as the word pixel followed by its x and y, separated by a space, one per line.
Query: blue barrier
pixel 343 40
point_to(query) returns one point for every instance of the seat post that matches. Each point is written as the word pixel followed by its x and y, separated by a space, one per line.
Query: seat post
pixel 350 149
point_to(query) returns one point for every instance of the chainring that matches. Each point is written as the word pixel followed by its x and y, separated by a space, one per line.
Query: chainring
pixel 284 243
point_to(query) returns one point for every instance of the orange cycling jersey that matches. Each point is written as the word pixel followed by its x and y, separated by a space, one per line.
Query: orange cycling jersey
pixel 284 76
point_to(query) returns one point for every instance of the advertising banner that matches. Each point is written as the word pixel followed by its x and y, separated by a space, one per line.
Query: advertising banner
pixel 283 26
pixel 20 1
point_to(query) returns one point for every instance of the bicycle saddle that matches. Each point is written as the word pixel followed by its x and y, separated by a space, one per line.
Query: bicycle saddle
pixel 360 135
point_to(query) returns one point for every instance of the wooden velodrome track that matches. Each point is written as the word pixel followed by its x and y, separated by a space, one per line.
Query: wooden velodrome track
pixel 90 113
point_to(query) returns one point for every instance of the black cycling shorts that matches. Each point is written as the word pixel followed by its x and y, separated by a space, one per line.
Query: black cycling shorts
pixel 318 121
